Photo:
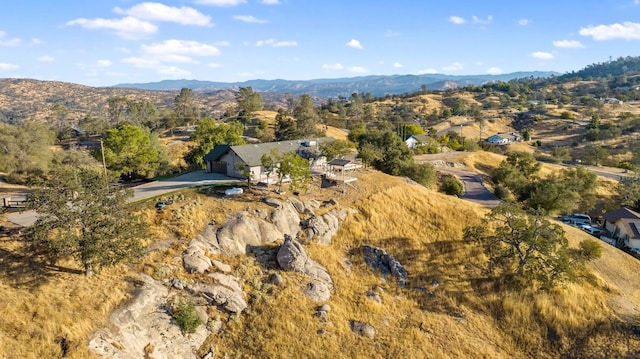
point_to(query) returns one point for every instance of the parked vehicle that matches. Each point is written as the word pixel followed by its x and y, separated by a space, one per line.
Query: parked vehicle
pixel 591 230
pixel 577 219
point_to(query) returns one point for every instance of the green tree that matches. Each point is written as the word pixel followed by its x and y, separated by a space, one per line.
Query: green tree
pixel 210 133
pixel 517 173
pixel 79 218
pixel 296 168
pixel 248 101
pixel 129 149
pixel 336 149
pixel 595 155
pixel 25 151
pixel 411 129
pixel 451 186
pixel 268 164
pixel 307 118
pixel 285 128
pixel 628 191
pixel 524 249
pixel 185 108
pixel 572 189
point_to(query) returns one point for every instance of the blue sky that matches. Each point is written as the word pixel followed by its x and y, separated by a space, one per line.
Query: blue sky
pixel 106 42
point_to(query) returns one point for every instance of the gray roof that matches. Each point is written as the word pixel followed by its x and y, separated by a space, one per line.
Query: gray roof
pixel 621 213
pixel 251 154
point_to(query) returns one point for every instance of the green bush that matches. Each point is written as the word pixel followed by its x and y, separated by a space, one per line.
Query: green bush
pixel 502 192
pixel 451 186
pixel 184 313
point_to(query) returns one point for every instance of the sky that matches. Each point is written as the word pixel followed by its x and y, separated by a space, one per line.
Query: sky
pixel 108 42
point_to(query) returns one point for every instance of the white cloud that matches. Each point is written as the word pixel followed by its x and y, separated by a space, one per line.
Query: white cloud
pixel 250 19
pixel 9 42
pixel 337 66
pixel 494 70
pixel 145 63
pixel 36 41
pixel 274 43
pixel 103 63
pixel 457 20
pixel 391 33
pixel 153 11
pixel 180 48
pixel 568 44
pixel 397 65
pixel 355 44
pixel 427 71
pixel 487 21
pixel 214 65
pixel 127 28
pixel 173 71
pixel 542 55
pixel 357 69
pixel 222 3
pixel 222 43
pixel 270 2
pixel 456 66
pixel 46 58
pixel 627 31
pixel 524 22
pixel 6 66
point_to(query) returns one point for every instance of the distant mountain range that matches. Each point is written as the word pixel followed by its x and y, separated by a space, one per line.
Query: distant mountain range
pixel 375 85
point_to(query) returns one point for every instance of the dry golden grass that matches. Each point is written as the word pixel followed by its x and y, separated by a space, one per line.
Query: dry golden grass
pixel 336 133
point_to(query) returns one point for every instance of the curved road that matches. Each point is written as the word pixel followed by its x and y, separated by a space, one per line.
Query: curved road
pixel 147 190
pixel 474 190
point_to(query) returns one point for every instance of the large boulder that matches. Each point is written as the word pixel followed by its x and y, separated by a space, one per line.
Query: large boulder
pixel 208 238
pixel 323 228
pixel 379 260
pixel 286 219
pixel 194 258
pixel 143 321
pixel 363 329
pixel 234 236
pixel 293 257
pixel 225 292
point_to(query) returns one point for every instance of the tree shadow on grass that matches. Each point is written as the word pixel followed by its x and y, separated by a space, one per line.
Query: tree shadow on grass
pixel 28 267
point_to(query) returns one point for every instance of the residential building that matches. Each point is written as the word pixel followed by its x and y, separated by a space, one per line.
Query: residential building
pixel 504 138
pixel 624 226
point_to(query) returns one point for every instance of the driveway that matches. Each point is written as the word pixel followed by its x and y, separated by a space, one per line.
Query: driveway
pixel 147 190
pixel 474 190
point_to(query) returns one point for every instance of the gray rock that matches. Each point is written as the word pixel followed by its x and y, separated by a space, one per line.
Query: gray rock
pixel 379 260
pixel 318 291
pixel 178 283
pixel 374 296
pixel 293 257
pixel 202 313
pixel 208 239
pixel 297 204
pixel 312 205
pixel 221 267
pixel 234 236
pixel 225 293
pixel 215 326
pixel 363 329
pixel 194 259
pixel 325 308
pixel 276 279
pixel 323 228
pixel 273 202
pixel 286 219
pixel 322 315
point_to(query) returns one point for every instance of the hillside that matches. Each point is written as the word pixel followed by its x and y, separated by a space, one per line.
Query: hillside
pixel 446 310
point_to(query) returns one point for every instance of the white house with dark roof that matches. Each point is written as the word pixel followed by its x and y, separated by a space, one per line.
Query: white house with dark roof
pixel 624 226
pixel 228 159
pixel 504 138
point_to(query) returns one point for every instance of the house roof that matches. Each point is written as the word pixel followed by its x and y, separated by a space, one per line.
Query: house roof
pixel 406 137
pixel 252 154
pixel 338 162
pixel 631 227
pixel 620 213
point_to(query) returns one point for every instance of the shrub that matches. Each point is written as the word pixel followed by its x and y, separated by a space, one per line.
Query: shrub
pixel 502 192
pixel 451 186
pixel 184 313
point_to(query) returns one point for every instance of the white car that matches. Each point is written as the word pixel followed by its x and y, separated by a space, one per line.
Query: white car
pixel 592 230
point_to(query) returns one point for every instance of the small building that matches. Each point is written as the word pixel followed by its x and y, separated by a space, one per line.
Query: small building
pixel 415 141
pixel 504 138
pixel 228 160
pixel 624 226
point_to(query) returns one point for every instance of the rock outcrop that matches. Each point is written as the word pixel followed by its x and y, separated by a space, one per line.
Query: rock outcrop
pixel 323 228
pixel 143 321
pixel 293 257
pixel 379 260
pixel 194 258
pixel 234 236
pixel 225 292
pixel 363 329
pixel 286 219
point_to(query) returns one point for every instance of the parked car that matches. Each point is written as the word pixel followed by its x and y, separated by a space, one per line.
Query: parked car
pixel 577 219
pixel 592 230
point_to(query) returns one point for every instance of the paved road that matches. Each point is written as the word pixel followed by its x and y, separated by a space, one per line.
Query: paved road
pixel 147 190
pixel 475 191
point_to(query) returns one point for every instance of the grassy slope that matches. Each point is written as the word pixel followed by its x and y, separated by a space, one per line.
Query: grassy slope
pixel 422 229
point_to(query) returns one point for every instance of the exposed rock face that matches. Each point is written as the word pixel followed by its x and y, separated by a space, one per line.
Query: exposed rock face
pixel 141 322
pixel 379 260
pixel 234 236
pixel 208 239
pixel 293 257
pixel 221 267
pixel 225 292
pixel 194 258
pixel 363 329
pixel 324 228
pixel 286 219
pixel 273 202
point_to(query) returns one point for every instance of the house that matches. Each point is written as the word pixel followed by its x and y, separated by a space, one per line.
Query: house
pixel 504 138
pixel 415 141
pixel 228 160
pixel 337 170
pixel 624 226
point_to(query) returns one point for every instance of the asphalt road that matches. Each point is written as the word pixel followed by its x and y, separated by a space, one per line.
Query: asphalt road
pixel 147 190
pixel 474 190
